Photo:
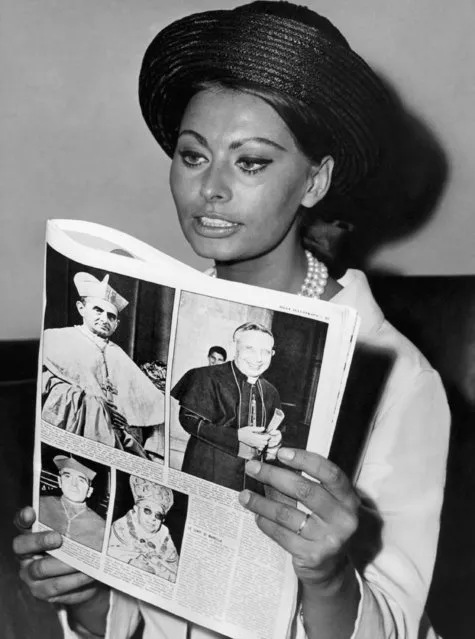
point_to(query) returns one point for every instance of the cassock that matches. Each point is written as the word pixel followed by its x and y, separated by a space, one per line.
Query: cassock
pixel 154 553
pixel 215 402
pixel 83 376
pixel 76 521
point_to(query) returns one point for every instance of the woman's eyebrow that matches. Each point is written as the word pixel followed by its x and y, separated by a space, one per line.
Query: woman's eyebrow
pixel 236 144
pixel 203 141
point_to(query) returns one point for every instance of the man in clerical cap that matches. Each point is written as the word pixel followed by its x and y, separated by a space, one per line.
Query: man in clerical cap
pixel 69 513
pixel 91 387
pixel 99 304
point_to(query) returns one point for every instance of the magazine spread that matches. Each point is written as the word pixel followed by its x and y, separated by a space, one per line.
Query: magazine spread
pixel 156 384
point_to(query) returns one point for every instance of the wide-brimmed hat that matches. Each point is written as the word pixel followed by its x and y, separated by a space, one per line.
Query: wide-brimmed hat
pixel 274 45
pixel 63 461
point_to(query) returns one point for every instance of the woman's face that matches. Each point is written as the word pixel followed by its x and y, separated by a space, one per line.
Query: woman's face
pixel 237 176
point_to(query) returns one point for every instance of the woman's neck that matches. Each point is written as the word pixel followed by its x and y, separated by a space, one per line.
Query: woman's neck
pixel 282 269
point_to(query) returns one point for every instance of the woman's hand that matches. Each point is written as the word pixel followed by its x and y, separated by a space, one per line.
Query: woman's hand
pixel 318 540
pixel 48 578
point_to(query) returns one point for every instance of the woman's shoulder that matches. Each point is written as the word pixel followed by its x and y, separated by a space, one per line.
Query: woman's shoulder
pixel 375 330
pixel 407 372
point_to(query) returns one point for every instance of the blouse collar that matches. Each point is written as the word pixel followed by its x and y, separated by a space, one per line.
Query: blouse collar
pixel 357 294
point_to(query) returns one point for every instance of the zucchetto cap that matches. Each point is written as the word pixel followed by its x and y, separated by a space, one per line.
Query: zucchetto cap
pixel 156 493
pixel 62 461
pixel 89 286
pixel 280 46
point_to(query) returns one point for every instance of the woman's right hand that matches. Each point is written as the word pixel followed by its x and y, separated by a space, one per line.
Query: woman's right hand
pixel 48 578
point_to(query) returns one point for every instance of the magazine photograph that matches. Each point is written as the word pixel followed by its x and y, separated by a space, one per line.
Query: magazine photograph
pixel 74 496
pixel 257 398
pixel 105 357
pixel 147 526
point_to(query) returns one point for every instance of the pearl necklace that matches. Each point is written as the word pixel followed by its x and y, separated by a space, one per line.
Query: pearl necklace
pixel 315 280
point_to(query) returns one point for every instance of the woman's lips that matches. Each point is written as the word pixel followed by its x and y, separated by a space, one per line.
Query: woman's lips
pixel 206 220
pixel 214 226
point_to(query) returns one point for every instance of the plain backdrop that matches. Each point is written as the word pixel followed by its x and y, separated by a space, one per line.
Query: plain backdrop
pixel 73 143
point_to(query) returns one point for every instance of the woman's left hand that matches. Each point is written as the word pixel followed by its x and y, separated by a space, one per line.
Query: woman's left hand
pixel 318 540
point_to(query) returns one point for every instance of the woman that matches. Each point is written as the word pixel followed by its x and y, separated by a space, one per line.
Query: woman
pixel 264 110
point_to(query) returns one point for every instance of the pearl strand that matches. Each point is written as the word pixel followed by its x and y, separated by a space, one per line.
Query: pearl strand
pixel 315 280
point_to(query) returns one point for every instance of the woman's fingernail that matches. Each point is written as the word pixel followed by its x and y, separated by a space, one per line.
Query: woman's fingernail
pixel 244 497
pixel 286 454
pixel 253 467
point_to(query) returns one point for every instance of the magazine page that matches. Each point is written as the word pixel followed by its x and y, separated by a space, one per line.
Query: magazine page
pixel 156 384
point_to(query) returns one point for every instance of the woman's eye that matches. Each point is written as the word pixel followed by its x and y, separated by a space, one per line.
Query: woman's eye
pixel 253 165
pixel 191 158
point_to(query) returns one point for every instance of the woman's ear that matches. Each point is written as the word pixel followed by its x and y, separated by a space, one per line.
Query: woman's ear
pixel 319 181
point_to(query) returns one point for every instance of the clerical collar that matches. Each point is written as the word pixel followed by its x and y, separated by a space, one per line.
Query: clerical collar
pixel 72 508
pixel 100 342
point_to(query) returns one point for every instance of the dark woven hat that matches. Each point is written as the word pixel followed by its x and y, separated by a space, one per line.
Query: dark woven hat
pixel 275 45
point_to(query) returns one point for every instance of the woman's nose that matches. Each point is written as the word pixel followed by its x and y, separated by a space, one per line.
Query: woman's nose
pixel 215 185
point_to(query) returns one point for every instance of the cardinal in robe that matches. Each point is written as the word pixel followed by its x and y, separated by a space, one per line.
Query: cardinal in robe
pixel 231 412
pixel 69 513
pixel 90 386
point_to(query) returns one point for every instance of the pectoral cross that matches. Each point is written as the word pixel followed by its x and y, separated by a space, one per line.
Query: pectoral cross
pixel 109 389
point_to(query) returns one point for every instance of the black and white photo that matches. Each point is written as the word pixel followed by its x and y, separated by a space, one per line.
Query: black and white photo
pixel 247 407
pixel 147 535
pixel 95 379
pixel 74 494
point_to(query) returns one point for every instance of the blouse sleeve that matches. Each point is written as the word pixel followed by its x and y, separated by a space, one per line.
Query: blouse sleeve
pixel 122 620
pixel 401 483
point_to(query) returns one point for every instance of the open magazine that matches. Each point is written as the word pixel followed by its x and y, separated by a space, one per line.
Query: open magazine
pixel 141 443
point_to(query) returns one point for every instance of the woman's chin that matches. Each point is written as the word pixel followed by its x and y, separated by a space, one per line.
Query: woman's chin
pixel 216 250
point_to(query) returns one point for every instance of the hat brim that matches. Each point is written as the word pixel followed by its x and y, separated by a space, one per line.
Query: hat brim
pixel 62 461
pixel 276 53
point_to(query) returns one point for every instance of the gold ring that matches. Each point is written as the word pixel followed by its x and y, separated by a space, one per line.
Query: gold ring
pixel 303 524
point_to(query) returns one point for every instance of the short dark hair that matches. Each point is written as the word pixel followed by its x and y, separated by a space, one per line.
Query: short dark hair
pixel 219 350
